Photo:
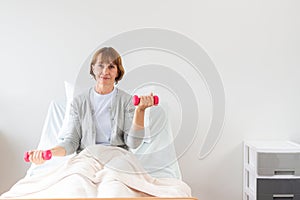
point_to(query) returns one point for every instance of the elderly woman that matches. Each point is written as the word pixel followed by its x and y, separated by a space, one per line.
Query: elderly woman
pixel 104 114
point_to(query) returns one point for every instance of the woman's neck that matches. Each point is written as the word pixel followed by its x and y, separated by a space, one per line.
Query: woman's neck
pixel 102 89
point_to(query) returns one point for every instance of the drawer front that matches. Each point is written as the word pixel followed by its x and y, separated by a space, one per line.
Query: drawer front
pixel 278 197
pixel 269 164
pixel 278 188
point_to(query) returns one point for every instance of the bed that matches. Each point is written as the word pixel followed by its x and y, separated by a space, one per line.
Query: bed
pixel 104 171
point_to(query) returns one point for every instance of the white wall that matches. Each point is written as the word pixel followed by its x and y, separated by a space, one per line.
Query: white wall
pixel 254 44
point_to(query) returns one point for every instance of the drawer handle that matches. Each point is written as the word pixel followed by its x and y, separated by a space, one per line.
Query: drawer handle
pixel 291 196
pixel 284 172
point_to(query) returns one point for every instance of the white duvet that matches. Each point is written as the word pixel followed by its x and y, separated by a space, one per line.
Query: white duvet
pixel 98 171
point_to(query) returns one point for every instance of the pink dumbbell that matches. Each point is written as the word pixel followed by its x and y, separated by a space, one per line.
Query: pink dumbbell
pixel 136 100
pixel 47 155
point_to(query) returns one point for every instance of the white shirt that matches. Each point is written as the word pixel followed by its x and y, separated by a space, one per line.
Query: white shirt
pixel 102 104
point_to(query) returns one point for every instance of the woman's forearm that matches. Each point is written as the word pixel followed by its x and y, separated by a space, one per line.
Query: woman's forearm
pixel 138 119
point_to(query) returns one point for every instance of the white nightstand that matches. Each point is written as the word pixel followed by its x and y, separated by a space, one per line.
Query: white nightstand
pixel 271 170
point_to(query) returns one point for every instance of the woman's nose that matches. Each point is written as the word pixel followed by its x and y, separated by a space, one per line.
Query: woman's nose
pixel 105 70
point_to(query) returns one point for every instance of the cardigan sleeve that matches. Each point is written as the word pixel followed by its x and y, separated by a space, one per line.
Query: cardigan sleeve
pixel 133 137
pixel 72 134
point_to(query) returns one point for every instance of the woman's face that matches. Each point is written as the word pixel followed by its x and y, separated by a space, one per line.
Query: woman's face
pixel 105 72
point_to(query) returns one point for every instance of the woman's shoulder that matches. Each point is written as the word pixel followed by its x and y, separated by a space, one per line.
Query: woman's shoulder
pixel 83 95
pixel 123 94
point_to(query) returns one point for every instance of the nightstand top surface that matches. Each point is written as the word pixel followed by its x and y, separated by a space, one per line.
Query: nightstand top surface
pixel 278 146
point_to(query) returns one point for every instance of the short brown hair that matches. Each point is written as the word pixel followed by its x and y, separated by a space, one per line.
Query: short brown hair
pixel 108 54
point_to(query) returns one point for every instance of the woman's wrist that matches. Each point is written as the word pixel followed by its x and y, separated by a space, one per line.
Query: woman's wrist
pixel 140 110
pixel 58 151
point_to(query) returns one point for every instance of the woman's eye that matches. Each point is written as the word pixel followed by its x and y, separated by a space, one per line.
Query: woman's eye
pixel 111 66
pixel 100 66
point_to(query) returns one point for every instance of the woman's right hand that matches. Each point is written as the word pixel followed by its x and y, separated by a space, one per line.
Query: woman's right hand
pixel 36 157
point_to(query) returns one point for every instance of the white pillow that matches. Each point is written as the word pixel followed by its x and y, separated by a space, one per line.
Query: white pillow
pixel 69 89
pixel 157 154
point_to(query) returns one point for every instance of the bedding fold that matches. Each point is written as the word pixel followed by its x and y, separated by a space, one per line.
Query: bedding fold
pixel 98 171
